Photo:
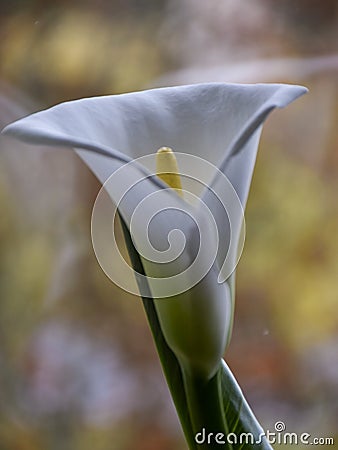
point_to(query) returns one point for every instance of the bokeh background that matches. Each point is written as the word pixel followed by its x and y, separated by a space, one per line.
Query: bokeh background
pixel 78 368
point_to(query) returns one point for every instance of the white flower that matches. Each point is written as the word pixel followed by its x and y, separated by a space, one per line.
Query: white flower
pixel 219 123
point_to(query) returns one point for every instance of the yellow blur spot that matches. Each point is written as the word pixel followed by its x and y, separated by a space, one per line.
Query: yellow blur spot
pixel 167 169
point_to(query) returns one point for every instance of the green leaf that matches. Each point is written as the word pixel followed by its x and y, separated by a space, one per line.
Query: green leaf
pixel 239 416
pixel 217 405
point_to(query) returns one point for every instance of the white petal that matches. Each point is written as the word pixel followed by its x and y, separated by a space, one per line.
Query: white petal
pixel 218 122
pixel 199 119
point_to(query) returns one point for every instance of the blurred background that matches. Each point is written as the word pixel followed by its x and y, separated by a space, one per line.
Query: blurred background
pixel 78 368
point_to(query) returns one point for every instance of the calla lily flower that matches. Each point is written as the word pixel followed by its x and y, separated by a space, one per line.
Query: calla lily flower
pixel 217 123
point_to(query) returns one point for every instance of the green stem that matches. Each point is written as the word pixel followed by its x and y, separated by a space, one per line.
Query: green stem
pixel 205 403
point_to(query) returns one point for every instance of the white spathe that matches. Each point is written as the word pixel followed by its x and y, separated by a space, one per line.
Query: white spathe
pixel 218 122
